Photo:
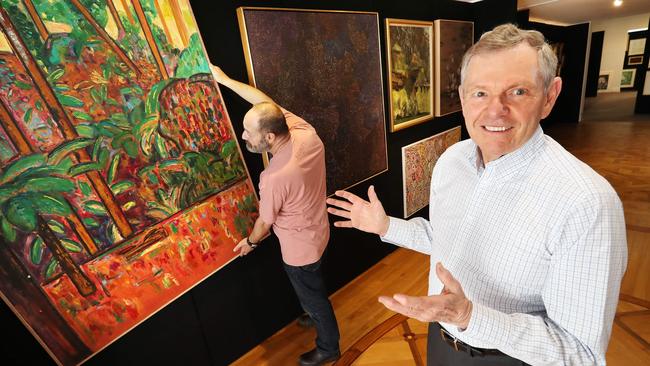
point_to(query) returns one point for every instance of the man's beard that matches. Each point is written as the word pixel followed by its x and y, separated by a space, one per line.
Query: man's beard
pixel 262 147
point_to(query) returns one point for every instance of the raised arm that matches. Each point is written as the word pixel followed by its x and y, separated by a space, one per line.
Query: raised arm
pixel 250 94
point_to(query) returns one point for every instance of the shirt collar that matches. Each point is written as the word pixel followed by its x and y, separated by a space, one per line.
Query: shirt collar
pixel 508 165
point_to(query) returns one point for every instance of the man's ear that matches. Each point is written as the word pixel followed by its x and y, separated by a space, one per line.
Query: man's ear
pixel 551 96
pixel 270 137
pixel 460 94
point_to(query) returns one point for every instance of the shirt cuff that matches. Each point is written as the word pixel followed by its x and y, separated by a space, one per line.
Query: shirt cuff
pixel 397 229
pixel 487 324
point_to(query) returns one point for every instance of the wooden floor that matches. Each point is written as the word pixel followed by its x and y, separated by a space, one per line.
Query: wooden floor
pixel 620 151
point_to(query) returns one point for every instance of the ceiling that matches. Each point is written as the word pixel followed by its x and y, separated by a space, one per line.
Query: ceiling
pixel 565 12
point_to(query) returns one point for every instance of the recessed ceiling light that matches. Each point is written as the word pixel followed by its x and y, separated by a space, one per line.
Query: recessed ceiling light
pixel 618 2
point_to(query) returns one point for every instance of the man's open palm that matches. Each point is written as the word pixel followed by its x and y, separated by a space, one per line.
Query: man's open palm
pixel 368 216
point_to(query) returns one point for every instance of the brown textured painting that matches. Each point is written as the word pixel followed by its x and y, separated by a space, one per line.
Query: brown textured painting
pixel 325 67
pixel 122 185
pixel 453 39
pixel 418 160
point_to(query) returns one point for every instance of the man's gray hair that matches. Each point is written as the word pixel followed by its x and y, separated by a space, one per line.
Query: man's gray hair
pixel 507 36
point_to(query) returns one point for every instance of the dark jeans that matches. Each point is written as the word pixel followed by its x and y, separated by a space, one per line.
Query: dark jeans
pixel 441 353
pixel 308 283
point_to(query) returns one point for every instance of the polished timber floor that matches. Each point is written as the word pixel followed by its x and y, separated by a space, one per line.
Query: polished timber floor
pixel 619 150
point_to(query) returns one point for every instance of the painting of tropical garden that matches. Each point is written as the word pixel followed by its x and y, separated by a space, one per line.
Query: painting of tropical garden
pixel 121 181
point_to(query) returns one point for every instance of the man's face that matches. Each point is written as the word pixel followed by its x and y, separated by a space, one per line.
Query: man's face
pixel 503 99
pixel 255 139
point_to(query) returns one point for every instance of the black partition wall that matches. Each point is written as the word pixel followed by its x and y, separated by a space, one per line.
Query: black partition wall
pixel 642 79
pixel 250 299
pixel 572 43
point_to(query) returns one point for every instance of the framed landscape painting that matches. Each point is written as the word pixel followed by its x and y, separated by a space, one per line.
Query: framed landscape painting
pixel 418 160
pixel 122 184
pixel 409 51
pixel 627 78
pixel 453 39
pixel 324 66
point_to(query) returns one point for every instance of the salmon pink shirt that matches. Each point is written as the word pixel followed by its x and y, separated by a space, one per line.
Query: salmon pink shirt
pixel 293 193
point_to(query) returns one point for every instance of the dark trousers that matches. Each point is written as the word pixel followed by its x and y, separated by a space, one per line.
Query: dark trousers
pixel 441 353
pixel 308 283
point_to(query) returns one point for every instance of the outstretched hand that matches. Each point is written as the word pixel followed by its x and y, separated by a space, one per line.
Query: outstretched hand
pixel 451 306
pixel 368 216
pixel 218 74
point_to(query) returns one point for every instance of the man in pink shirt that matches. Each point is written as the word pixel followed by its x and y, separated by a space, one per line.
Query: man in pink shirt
pixel 292 201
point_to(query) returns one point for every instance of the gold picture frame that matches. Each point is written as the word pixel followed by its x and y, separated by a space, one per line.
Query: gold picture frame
pixel 409 54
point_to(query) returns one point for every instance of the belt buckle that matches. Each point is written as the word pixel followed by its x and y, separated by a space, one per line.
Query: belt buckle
pixel 445 335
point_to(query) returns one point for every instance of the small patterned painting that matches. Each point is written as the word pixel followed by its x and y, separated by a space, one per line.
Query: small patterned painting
pixel 418 160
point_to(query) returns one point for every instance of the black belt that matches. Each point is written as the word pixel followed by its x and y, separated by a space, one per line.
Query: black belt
pixel 461 346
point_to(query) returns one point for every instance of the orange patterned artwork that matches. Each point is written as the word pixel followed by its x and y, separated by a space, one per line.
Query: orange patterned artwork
pixel 122 184
pixel 418 160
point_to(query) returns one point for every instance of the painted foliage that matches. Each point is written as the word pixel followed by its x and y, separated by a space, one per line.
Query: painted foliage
pixel 453 39
pixel 409 53
pixel 418 160
pixel 326 68
pixel 122 184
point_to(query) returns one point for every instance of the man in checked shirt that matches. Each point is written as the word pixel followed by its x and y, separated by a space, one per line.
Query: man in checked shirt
pixel 527 243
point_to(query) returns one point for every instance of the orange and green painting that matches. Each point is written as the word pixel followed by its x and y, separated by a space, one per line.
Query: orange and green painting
pixel 122 184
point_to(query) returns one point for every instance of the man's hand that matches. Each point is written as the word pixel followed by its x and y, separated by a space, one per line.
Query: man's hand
pixel 218 74
pixel 368 216
pixel 451 306
pixel 243 247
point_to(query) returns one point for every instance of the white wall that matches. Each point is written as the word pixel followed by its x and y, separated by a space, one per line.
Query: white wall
pixel 615 45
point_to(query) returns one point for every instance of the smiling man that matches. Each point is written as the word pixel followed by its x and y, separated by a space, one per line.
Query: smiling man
pixel 527 243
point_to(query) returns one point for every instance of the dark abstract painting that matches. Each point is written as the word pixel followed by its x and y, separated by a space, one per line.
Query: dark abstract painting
pixel 453 39
pixel 325 67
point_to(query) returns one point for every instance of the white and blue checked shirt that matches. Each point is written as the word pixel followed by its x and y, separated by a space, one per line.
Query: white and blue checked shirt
pixel 537 240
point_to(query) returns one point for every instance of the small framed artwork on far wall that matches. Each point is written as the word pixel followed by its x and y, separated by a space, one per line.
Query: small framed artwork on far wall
pixel 603 81
pixel 635 60
pixel 627 78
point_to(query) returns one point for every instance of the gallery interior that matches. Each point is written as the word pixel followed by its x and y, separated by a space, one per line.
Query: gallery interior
pixel 94 269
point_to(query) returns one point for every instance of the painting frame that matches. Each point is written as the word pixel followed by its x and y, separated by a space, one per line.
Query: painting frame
pixel 453 54
pixel 413 99
pixel 334 163
pixel 636 46
pixel 635 60
pixel 418 161
pixel 603 81
pixel 627 78
pixel 146 241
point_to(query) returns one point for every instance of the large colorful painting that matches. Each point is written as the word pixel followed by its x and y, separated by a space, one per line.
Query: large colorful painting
pixel 453 39
pixel 121 180
pixel 325 67
pixel 409 51
pixel 418 160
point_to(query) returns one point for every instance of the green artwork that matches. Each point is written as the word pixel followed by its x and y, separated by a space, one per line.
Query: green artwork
pixel 121 181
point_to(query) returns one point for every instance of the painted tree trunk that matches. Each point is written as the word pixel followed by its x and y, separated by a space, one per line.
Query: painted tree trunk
pixel 63 120
pixel 70 268
pixel 34 309
pixel 102 33
pixel 150 40
pixel 116 17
